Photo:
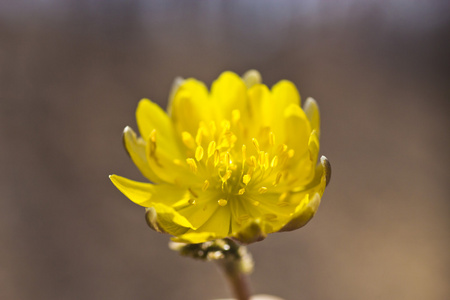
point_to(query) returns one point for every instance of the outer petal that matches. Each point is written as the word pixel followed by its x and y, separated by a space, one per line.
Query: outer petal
pixel 250 232
pixel 138 192
pixel 165 219
pixel 251 77
pixel 218 226
pixel 312 112
pixel 310 197
pixel 136 150
pixel 151 117
pixel 147 194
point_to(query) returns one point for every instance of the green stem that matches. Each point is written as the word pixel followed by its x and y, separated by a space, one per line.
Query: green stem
pixel 236 278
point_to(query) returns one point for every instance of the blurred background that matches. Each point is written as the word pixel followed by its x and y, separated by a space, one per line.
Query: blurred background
pixel 73 71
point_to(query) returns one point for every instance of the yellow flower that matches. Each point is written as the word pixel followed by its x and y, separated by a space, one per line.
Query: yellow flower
pixel 239 161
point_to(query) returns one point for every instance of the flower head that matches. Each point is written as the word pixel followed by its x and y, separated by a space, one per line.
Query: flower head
pixel 239 161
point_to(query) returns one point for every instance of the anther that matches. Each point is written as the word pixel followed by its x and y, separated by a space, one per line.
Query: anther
pixel 270 217
pixel 291 153
pixel 226 176
pixel 227 159
pixel 262 190
pixel 274 161
pixel 255 203
pixel 277 179
pixel 271 138
pixel 216 157
pixel 205 185
pixel 222 202
pixel 191 201
pixel 211 148
pixel 253 160
pixel 246 179
pixel 199 153
pixel 153 142
pixel 187 139
pixel 192 164
pixel 266 160
pixel 241 191
pixel 199 136
pixel 255 143
pixel 261 159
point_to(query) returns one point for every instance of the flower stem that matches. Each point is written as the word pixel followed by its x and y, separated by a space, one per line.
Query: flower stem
pixel 237 279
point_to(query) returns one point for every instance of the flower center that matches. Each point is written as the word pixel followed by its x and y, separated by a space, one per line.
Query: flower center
pixel 233 162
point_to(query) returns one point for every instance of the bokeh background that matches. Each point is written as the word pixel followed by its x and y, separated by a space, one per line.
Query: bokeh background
pixel 72 73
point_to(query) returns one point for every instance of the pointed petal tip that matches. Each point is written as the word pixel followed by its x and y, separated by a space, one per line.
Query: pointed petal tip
pixel 327 168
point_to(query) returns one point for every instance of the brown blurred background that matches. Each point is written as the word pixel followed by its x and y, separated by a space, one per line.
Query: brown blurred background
pixel 72 72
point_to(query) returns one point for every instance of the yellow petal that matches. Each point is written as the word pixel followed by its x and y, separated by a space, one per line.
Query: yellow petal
pixel 202 211
pixel 229 93
pixel 166 219
pixel 136 150
pixel 174 171
pixel 138 192
pixel 259 111
pixel 250 233
pixel 312 112
pixel 216 227
pixel 297 130
pixel 147 194
pixel 303 213
pixel 190 105
pixel 151 118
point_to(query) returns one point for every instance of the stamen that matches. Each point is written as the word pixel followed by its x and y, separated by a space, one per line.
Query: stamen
pixel 266 160
pixel 283 197
pixel 270 217
pixel 243 217
pixel 256 144
pixel 212 128
pixel 216 157
pixel 192 192
pixel 222 202
pixel 199 153
pixel 278 178
pixel 152 142
pixel 225 126
pixel 262 190
pixel 192 164
pixel 244 153
pixel 205 185
pixel 274 161
pixel 241 191
pixel 188 140
pixel 246 178
pixel 253 161
pixel 226 176
pixel 261 159
pixel 199 136
pixel 211 148
pixel 291 153
pixel 271 138
pixel 227 159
